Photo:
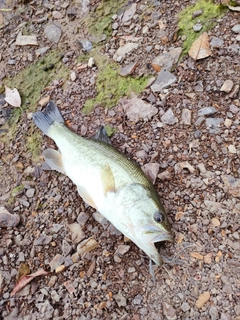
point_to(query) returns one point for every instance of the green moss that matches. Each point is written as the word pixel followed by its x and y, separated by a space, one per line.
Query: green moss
pixel 110 130
pixel 99 21
pixel 111 86
pixel 208 19
pixel 33 142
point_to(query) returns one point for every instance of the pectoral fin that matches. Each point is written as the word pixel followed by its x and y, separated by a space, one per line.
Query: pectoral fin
pixel 85 196
pixel 107 179
pixel 54 160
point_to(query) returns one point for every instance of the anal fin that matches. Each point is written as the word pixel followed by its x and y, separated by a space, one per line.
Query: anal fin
pixel 54 160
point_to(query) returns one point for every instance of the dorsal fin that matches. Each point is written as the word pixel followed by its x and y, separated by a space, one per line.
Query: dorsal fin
pixel 101 135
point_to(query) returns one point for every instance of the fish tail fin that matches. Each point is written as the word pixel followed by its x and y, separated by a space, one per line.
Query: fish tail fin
pixel 44 119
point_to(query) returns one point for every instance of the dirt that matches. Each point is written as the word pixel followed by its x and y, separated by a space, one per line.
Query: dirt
pixel 199 168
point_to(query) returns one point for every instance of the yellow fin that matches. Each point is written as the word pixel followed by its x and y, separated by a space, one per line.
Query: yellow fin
pixel 54 160
pixel 107 179
pixel 85 196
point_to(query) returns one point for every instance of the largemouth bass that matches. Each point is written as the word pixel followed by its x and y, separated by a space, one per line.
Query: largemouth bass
pixel 108 181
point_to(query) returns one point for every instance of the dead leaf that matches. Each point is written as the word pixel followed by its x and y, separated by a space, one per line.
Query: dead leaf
pixel 43 102
pixel 12 97
pixel 26 40
pixel 156 67
pixel 202 299
pixel 200 48
pixel 234 8
pixel 196 255
pixel 23 270
pixel 23 281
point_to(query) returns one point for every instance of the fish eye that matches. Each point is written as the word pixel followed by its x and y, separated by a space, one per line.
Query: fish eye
pixel 158 217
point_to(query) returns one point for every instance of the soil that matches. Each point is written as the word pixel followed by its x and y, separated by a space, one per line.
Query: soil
pixel 197 159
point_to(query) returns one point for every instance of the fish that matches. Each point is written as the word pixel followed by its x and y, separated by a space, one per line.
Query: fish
pixel 108 181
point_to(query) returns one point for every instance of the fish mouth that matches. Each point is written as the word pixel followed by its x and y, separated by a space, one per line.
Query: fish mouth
pixel 158 234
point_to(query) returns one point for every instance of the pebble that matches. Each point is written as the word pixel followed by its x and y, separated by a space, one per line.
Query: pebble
pixel 127 70
pixel 197 13
pixel 138 299
pixel 236 28
pixel 228 123
pixel 129 13
pixel 73 76
pixel 232 148
pixel 42 240
pixel 167 60
pixel 165 175
pixel 66 248
pixel 183 165
pixel 8 220
pixel 169 312
pixel 213 124
pixel 57 261
pixel 120 299
pixel 169 118
pixel 199 122
pixel 185 306
pixel 85 44
pixel 151 170
pixel 124 50
pixel 213 313
pixel 227 86
pixel 30 193
pixel 186 116
pixel 53 33
pixel 216 43
pixel 91 62
pixel 197 27
pixel 232 184
pixel 46 309
pixel 207 111
pixel 77 234
pixel 136 109
pixel 87 246
pixel 164 80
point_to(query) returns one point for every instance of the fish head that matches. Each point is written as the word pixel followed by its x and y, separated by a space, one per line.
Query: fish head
pixel 145 220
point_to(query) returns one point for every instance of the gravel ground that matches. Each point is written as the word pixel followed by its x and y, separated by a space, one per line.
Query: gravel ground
pixel 188 142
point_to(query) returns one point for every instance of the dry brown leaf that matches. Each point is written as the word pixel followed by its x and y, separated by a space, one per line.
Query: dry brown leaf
pixel 156 67
pixel 200 48
pixel 12 97
pixel 196 255
pixel 23 281
pixel 202 299
pixel 43 102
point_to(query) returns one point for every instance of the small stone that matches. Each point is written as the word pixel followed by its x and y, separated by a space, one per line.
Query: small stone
pixel 73 76
pixel 214 124
pixel 66 248
pixel 236 28
pixel 227 86
pixel 60 269
pixel 127 70
pixel 167 60
pixel 199 122
pixel 232 148
pixel 186 117
pixel 69 286
pixel 46 309
pixel 129 13
pixel 169 312
pixel 122 249
pixel 57 15
pixel 197 27
pixel 41 51
pixel 42 240
pixel 52 281
pixel 137 299
pixel 91 62
pixel 232 184
pixel 115 26
pixel 151 170
pixel 169 118
pixel 87 246
pixel 53 33
pixel 124 50
pixel 197 13
pixel 136 109
pixel 207 111
pixel 164 80
pixel 228 123
pixel 100 219
pixel 213 313
pixel 120 299
pixel 165 175
pixel 30 193
pixel 183 165
pixel 85 44
pixel 56 262
pixel 8 220
pixel 216 42
pixel 141 154
pixel 76 232
pixel 185 307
